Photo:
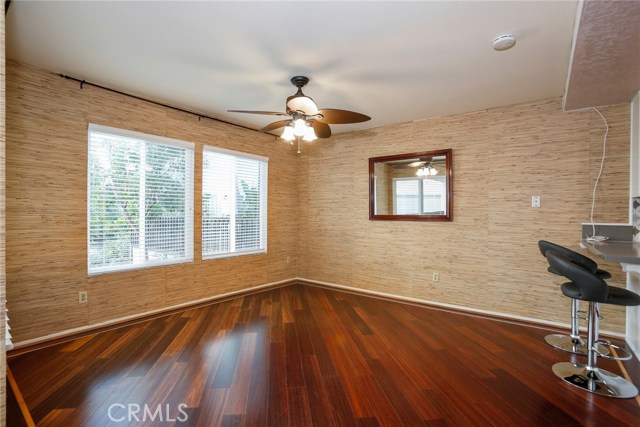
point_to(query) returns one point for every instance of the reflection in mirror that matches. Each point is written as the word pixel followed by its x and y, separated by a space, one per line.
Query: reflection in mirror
pixel 414 186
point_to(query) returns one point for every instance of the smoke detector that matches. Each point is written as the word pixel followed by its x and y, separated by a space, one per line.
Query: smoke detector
pixel 504 42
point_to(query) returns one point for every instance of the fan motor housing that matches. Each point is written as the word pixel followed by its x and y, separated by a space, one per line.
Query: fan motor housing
pixel 299 81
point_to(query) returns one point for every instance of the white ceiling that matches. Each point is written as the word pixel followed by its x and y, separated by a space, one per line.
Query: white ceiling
pixel 394 61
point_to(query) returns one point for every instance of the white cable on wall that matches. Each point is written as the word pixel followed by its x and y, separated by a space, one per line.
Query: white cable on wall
pixel 593 237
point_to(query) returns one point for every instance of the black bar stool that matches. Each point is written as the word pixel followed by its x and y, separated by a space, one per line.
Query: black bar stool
pixel 572 343
pixel 586 286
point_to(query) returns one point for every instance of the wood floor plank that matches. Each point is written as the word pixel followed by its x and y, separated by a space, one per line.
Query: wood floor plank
pixel 309 356
pixel 293 361
pixel 258 393
pixel 342 410
pixel 278 414
pixel 239 389
pixel 528 407
pixel 229 360
pixel 382 409
pixel 299 412
pixel 320 408
pixel 394 390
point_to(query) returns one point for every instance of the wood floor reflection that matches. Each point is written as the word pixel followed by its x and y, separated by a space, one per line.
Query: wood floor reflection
pixel 307 356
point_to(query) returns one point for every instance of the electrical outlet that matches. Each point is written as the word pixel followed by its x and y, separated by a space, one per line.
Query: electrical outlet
pixel 436 277
pixel 288 259
pixel 83 297
pixel 535 201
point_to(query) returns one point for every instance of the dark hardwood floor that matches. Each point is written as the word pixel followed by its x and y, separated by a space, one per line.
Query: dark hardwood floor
pixel 306 356
pixel 16 419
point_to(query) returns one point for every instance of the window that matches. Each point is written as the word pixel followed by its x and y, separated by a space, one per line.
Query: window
pixel 140 200
pixel 234 203
pixel 417 196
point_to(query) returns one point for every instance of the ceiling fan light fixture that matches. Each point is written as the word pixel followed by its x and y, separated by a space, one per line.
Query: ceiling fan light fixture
pixel 299 127
pixel 309 134
pixel 288 134
pixel 427 170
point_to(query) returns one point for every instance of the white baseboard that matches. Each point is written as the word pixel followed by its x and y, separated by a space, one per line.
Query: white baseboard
pixel 495 314
pixel 460 308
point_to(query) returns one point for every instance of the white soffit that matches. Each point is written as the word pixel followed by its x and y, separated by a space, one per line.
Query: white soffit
pixel 394 61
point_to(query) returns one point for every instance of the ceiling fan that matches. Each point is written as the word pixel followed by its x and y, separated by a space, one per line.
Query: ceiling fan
pixel 304 118
pixel 424 164
pixel 422 161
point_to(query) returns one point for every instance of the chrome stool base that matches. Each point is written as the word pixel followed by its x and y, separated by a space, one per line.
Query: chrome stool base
pixel 596 381
pixel 568 344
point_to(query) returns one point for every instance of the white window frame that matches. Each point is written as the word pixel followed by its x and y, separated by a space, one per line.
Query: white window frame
pixel 420 189
pixel 263 202
pixel 189 192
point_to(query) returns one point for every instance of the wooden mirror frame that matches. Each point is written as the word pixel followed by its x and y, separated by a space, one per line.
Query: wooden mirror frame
pixel 448 216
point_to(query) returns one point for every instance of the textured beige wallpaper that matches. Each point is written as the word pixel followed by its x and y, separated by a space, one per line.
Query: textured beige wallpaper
pixel 47 204
pixel 487 256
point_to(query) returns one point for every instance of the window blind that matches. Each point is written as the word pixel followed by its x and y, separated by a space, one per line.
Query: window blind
pixel 407 196
pixel 8 342
pixel 140 201
pixel 417 196
pixel 434 195
pixel 234 203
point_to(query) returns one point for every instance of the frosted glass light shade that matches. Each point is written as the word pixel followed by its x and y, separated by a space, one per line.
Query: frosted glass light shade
pixel 427 171
pixel 309 134
pixel 288 133
pixel 299 127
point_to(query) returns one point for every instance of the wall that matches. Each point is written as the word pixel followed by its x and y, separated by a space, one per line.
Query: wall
pixel 633 279
pixel 47 120
pixel 318 208
pixel 3 362
pixel 487 256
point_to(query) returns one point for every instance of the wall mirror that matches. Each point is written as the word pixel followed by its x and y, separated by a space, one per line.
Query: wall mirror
pixel 411 187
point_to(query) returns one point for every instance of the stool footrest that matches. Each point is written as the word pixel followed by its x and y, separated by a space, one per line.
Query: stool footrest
pixel 624 354
pixel 571 345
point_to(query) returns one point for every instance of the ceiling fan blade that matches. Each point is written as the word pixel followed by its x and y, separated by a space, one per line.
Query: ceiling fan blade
pixel 322 130
pixel 333 116
pixel 421 161
pixel 269 113
pixel 274 125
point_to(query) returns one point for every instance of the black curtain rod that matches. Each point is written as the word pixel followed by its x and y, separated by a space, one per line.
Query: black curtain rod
pixel 200 116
